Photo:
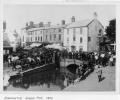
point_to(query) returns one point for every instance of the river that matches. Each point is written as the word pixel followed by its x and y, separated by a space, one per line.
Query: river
pixel 48 80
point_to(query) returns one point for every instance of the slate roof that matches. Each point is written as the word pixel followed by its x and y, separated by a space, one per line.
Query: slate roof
pixel 6 44
pixel 81 23
pixel 47 27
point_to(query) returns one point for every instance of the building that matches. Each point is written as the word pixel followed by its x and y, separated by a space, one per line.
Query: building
pixel 32 34
pixel 54 33
pixel 7 48
pixel 38 33
pixel 83 35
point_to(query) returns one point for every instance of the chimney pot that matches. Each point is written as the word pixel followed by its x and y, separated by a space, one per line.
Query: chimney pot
pixel 49 24
pixel 73 19
pixel 41 24
pixel 4 25
pixel 26 24
pixel 31 23
pixel 63 22
pixel 95 15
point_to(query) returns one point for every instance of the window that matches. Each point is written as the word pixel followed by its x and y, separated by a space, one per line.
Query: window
pixel 74 38
pixel 56 30
pixel 23 38
pixel 50 37
pixel 67 31
pixel 74 34
pixel 35 38
pixel 38 38
pixel 67 40
pixel 100 32
pixel 41 38
pixel 53 30
pixel 59 30
pixel 80 48
pixel 46 37
pixel 28 33
pixel 28 39
pixel 31 33
pixel 74 30
pixel 81 39
pixel 89 39
pixel 80 30
pixel 59 36
pixel 35 32
pixel 54 36
pixel 73 48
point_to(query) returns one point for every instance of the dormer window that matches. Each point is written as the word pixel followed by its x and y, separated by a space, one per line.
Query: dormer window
pixel 100 32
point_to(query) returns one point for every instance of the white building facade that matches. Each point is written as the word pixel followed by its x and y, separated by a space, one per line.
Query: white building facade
pixel 83 35
pixel 78 35
pixel 43 33
pixel 31 34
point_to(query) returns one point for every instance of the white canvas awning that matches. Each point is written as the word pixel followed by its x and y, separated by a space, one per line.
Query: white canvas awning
pixel 27 48
pixel 55 46
pixel 35 45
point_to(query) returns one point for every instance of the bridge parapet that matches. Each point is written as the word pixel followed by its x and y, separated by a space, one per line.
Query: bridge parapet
pixel 67 62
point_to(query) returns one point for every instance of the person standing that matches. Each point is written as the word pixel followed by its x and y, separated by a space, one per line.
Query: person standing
pixel 9 60
pixel 111 61
pixel 96 59
pixel 102 59
pixel 99 72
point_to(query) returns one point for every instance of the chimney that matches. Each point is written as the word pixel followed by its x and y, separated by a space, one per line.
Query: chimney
pixel 73 19
pixel 41 24
pixel 95 15
pixel 4 25
pixel 63 22
pixel 26 24
pixel 49 24
pixel 31 23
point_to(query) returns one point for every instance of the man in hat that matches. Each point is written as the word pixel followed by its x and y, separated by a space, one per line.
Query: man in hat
pixel 99 72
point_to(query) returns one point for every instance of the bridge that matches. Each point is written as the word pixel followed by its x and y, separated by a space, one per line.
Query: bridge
pixel 71 64
pixel 67 62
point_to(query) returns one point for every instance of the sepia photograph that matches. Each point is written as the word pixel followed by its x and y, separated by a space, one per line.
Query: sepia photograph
pixel 59 47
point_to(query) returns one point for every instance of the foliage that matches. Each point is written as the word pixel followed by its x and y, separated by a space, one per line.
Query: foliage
pixel 111 30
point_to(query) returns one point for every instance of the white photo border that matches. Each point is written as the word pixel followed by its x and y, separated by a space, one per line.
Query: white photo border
pixel 64 93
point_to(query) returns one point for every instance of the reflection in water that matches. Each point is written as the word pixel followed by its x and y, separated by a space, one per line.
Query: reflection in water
pixel 53 79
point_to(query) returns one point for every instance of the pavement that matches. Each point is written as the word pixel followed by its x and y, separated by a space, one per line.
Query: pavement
pixel 91 82
pixel 8 70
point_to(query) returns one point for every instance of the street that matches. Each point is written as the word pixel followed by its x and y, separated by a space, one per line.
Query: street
pixel 91 82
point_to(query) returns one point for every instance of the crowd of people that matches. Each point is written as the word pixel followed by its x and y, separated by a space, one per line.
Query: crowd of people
pixel 94 61
pixel 41 56
pixel 32 58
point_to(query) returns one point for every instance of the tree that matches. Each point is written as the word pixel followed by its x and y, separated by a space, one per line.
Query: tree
pixel 111 30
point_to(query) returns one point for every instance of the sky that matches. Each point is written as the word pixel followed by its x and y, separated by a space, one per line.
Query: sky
pixel 16 16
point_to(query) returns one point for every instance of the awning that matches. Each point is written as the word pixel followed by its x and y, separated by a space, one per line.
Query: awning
pixel 27 48
pixel 55 46
pixel 113 44
pixel 35 45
